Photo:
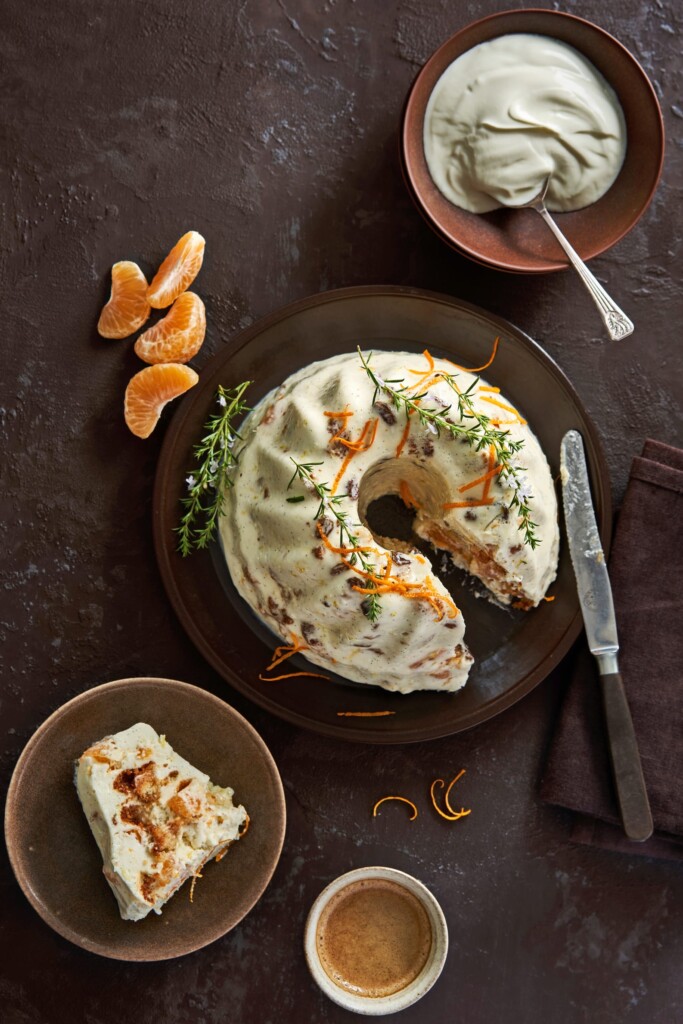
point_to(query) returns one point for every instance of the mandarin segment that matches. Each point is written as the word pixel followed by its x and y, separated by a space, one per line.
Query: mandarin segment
pixel 127 308
pixel 149 391
pixel 179 336
pixel 178 270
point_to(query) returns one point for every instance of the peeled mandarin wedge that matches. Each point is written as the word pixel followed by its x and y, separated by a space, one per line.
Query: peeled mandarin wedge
pixel 178 270
pixel 179 336
pixel 128 307
pixel 149 391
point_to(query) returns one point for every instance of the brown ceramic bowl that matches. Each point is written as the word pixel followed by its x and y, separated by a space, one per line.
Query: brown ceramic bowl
pixel 518 240
pixel 57 862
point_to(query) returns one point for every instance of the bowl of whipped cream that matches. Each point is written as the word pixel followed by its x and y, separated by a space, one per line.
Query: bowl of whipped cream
pixel 515 99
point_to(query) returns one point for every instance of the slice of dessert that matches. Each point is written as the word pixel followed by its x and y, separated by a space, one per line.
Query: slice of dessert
pixel 156 819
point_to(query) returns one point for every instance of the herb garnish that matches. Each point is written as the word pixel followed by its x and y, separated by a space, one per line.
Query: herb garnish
pixel 207 483
pixel 479 434
pixel 329 504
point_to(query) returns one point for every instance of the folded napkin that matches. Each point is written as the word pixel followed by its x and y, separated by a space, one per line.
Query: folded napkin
pixel 646 570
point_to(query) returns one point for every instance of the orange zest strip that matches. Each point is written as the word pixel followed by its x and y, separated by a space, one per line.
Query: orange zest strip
pixel 403 799
pixel 430 359
pixel 482 387
pixel 291 675
pixel 424 591
pixel 355 447
pixel 462 812
pixel 491 469
pixel 472 503
pixel 339 551
pixel 284 651
pixel 344 417
pixel 477 369
pixel 422 374
pixel 455 815
pixel 404 435
pixel 480 480
pixel 360 445
pixel 386 583
pixel 406 495
pixel 364 714
pixel 549 598
pixel 502 405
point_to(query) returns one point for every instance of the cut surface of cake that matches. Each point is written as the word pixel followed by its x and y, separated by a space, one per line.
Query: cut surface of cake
pixel 317 451
pixel 156 819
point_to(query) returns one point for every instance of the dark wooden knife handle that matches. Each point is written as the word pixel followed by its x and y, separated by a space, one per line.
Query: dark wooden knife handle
pixel 628 772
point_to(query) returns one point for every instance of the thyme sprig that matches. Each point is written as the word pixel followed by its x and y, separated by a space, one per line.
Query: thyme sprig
pixel 209 480
pixel 475 428
pixel 329 504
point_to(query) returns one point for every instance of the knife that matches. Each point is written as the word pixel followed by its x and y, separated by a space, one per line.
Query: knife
pixel 597 607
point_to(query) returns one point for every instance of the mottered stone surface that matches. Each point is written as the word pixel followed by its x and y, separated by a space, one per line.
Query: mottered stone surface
pixel 271 126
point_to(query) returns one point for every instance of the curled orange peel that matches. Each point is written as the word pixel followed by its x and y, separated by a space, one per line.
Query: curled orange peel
pixel 403 799
pixel 453 815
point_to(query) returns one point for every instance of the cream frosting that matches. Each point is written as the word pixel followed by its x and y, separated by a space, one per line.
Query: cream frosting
pixel 286 564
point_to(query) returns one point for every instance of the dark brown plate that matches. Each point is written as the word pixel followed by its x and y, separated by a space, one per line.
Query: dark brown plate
pixel 56 859
pixel 518 240
pixel 514 651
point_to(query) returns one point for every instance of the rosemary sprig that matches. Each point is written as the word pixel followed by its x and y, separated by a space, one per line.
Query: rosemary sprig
pixel 207 483
pixel 329 503
pixel 478 432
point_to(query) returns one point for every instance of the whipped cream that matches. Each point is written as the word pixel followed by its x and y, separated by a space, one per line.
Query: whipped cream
pixel 513 110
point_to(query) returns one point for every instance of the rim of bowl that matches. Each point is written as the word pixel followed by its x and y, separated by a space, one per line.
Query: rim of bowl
pixel 379 1005
pixel 414 110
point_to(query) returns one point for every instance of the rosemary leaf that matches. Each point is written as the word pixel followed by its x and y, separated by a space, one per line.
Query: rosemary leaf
pixel 215 460
pixel 474 427
pixel 329 505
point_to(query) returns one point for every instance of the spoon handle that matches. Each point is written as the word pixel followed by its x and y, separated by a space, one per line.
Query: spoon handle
pixel 617 323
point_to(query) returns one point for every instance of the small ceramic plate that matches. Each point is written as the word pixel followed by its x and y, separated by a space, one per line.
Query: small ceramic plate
pixel 55 857
pixel 513 650
pixel 518 240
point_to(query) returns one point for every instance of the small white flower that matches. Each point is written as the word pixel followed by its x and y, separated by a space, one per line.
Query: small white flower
pixel 191 482
pixel 431 427
pixel 524 492
pixel 213 466
pixel 222 401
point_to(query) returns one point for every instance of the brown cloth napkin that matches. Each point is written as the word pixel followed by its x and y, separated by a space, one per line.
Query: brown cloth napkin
pixel 646 570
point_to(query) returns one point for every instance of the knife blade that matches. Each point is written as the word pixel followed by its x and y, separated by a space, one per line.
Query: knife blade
pixel 597 607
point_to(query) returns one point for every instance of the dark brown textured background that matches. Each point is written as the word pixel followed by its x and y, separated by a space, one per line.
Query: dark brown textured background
pixel 271 127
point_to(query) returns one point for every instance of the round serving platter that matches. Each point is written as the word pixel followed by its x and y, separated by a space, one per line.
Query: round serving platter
pixel 513 651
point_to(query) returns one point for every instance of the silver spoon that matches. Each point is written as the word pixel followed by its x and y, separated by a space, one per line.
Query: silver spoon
pixel 617 323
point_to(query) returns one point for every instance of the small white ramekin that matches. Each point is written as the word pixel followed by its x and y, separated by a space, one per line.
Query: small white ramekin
pixel 377 1006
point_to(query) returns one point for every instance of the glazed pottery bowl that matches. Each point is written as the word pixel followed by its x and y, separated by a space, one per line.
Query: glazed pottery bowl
pixel 518 240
